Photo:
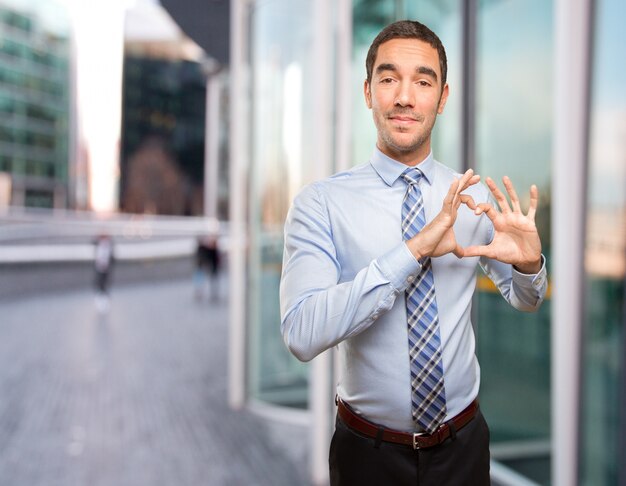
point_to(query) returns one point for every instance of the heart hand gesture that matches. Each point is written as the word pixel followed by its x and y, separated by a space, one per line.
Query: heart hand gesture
pixel 516 240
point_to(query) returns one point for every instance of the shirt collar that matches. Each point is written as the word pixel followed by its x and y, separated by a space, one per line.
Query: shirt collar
pixel 389 169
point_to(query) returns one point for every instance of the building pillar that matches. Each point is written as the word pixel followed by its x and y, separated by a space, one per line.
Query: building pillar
pixel 5 190
pixel 238 149
pixel 469 88
pixel 570 154
pixel 622 418
pixel 211 144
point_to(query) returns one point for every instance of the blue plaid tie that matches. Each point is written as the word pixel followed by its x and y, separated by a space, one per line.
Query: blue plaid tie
pixel 428 395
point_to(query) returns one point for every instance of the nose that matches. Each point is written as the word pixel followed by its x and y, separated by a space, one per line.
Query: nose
pixel 405 95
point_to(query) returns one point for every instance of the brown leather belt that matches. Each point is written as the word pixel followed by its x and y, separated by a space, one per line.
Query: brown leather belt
pixel 417 440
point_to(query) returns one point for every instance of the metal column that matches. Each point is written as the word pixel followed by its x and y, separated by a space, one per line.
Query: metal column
pixel 238 149
pixel 570 154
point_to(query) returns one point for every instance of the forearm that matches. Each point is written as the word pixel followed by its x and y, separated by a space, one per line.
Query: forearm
pixel 317 318
pixel 327 317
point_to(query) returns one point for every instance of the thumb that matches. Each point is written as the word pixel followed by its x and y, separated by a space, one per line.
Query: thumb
pixel 477 250
pixel 459 251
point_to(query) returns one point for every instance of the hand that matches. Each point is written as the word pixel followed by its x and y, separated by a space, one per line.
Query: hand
pixel 437 237
pixel 516 240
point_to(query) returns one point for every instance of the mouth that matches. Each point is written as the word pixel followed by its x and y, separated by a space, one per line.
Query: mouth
pixel 403 119
pixel 402 123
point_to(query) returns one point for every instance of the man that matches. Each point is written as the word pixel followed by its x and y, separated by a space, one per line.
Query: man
pixel 380 261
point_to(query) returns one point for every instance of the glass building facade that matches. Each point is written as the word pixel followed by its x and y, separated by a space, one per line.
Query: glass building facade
pixel 282 150
pixel 603 420
pixel 513 137
pixel 163 125
pixel 34 101
pixel 499 119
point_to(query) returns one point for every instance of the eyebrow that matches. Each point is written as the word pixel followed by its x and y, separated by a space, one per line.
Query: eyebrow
pixel 427 71
pixel 421 70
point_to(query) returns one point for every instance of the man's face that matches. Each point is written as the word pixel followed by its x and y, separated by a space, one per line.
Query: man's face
pixel 405 97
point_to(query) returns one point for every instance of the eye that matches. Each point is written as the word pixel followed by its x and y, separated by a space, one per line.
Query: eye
pixel 386 80
pixel 423 83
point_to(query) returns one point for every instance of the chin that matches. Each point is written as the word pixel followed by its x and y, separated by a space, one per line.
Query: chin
pixel 405 145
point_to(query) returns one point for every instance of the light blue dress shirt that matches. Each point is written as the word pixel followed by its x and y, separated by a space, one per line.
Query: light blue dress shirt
pixel 345 272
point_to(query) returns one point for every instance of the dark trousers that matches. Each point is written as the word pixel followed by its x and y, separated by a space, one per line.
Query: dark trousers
pixel 102 282
pixel 355 459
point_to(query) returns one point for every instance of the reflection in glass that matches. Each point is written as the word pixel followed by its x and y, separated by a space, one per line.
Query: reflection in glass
pixel 514 130
pixel 282 159
pixel 605 253
pixel 368 19
pixel 444 18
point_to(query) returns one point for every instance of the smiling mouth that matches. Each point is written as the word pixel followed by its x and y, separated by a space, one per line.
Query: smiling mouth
pixel 403 119
pixel 403 122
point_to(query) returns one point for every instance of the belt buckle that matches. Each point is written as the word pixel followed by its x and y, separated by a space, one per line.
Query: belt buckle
pixel 417 435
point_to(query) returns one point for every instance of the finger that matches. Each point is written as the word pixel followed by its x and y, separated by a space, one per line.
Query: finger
pixel 465 178
pixel 468 179
pixel 474 180
pixel 478 250
pixel 488 209
pixel 471 181
pixel 459 251
pixel 498 195
pixel 512 194
pixel 449 199
pixel 534 202
pixel 467 200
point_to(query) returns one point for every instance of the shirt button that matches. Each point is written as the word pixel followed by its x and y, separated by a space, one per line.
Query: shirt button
pixel 410 279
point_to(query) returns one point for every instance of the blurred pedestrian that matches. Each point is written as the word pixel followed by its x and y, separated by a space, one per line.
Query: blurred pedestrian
pixel 207 267
pixel 103 265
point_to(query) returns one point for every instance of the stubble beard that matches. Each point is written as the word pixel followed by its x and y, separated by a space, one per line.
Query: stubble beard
pixel 414 144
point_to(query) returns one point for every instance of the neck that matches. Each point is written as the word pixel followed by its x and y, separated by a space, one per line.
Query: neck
pixel 411 158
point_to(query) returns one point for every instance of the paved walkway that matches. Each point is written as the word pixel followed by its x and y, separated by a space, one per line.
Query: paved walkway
pixel 135 398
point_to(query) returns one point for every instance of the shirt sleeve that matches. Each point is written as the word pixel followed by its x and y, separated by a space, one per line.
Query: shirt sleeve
pixel 317 311
pixel 525 292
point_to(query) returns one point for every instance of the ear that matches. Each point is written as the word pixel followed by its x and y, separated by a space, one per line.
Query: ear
pixel 368 94
pixel 443 99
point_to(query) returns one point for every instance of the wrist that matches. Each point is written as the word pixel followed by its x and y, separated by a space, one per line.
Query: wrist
pixel 530 268
pixel 413 246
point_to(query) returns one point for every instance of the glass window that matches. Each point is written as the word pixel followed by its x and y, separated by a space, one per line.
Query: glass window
pixel 34 79
pixel 605 254
pixel 39 199
pixel 282 154
pixel 368 19
pixel 513 137
pixel 5 163
pixel 445 19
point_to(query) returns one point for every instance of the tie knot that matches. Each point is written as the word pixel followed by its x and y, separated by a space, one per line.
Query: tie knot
pixel 411 175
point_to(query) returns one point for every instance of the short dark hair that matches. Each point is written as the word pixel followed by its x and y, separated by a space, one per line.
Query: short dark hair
pixel 407 29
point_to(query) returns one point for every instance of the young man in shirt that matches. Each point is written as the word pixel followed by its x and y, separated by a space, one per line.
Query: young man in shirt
pixel 380 261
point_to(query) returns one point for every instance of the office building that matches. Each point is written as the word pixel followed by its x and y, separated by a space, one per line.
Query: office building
pixel 35 102
pixel 163 117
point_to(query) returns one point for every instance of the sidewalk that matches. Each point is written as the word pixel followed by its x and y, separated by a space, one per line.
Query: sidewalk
pixel 137 397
